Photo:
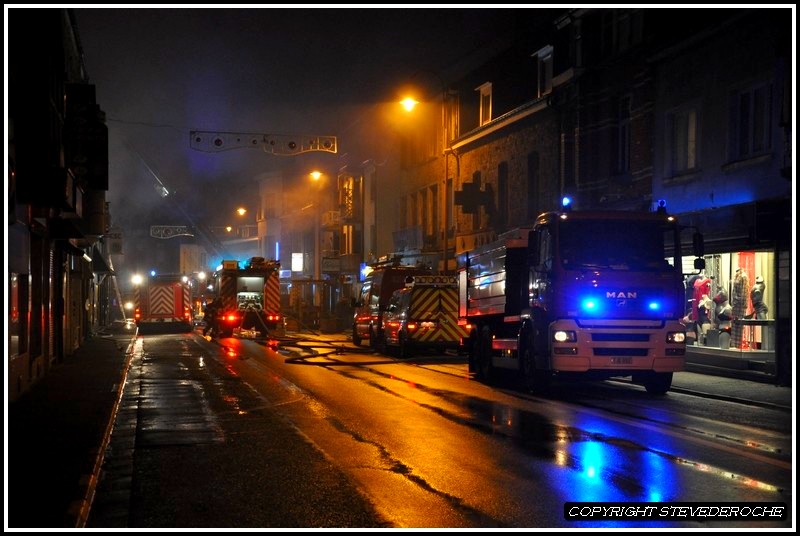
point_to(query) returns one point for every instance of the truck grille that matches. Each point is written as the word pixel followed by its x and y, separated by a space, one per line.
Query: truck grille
pixel 620 337
pixel 634 352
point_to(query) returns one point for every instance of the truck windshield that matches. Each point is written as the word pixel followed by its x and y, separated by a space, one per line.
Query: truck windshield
pixel 613 244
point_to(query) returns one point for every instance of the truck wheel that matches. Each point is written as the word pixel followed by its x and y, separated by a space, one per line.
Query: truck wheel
pixel 381 345
pixel 472 353
pixel 404 351
pixel 535 380
pixel 485 369
pixel 356 338
pixel 658 383
pixel 373 339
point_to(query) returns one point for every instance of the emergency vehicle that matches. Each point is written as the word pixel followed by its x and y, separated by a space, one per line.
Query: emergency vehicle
pixel 162 303
pixel 250 298
pixel 585 294
pixel 376 290
pixel 424 315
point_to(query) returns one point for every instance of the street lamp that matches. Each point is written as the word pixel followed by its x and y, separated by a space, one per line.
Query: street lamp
pixel 316 176
pixel 409 104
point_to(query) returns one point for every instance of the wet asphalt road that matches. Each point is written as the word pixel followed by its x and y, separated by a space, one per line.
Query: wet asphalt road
pixel 195 446
pixel 233 434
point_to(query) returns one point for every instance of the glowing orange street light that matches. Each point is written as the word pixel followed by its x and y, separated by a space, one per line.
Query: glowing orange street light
pixel 316 176
pixel 408 103
pixel 242 211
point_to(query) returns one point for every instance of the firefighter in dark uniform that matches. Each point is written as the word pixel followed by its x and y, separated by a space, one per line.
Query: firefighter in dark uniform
pixel 210 317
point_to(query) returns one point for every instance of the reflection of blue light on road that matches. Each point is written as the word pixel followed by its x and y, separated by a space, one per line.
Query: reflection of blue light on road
pixel 659 478
pixel 592 459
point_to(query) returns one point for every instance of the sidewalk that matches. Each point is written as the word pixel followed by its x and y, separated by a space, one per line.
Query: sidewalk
pixel 57 432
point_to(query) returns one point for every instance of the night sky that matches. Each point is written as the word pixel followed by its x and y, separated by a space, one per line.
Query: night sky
pixel 160 73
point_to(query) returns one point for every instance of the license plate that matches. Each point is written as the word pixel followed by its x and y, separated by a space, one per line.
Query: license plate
pixel 622 361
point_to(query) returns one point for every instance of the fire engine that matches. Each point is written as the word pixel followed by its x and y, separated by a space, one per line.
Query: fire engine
pixel 161 302
pixel 250 297
pixel 424 315
pixel 585 294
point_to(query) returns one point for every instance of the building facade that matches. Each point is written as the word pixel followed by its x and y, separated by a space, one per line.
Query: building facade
pixel 57 178
pixel 620 108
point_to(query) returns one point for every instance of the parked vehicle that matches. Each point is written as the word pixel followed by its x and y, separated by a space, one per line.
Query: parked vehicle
pixel 424 315
pixel 376 290
pixel 586 294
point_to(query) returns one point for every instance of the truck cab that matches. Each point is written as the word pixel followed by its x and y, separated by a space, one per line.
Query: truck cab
pixel 586 294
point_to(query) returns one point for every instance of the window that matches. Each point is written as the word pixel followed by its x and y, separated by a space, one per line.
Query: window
pixel 17 297
pixel 423 208
pixel 544 248
pixel 451 106
pixel 432 210
pixel 621 29
pixel 486 102
pixel 682 141
pixel 450 207
pixel 623 141
pixel 750 121
pixel 544 70
pixel 270 208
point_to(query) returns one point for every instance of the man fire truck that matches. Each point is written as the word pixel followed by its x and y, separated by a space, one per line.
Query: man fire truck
pixel 585 294
pixel 163 302
pixel 249 297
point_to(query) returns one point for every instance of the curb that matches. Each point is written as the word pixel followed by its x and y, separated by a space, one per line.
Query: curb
pixel 84 505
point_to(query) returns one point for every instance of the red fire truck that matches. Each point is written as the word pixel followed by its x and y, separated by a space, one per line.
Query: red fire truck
pixel 163 303
pixel 251 301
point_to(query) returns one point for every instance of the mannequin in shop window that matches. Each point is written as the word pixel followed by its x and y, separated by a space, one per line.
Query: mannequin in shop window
pixel 760 309
pixel 705 310
pixel 723 313
pixel 741 284
pixel 702 287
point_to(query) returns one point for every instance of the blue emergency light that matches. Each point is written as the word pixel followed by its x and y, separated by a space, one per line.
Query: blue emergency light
pixel 590 305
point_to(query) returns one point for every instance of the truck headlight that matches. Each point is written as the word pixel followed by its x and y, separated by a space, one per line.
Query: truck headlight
pixel 564 336
pixel 676 337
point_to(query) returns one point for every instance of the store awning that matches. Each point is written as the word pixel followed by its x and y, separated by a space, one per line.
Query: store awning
pixel 65 228
pixel 99 263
